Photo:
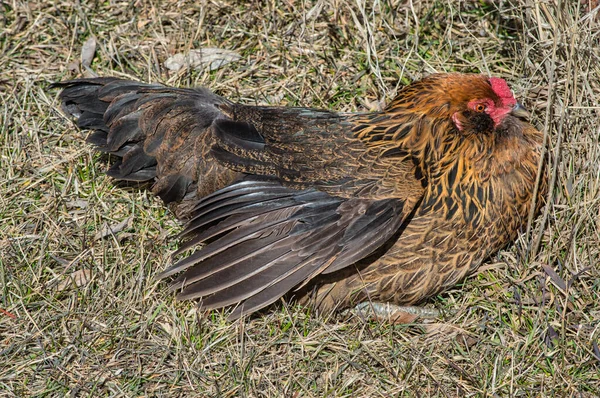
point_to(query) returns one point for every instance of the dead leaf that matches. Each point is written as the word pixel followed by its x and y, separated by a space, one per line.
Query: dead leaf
pixel 78 278
pixel 60 260
pixel 87 52
pixel 126 235
pixel 554 277
pixel 438 328
pixel 211 58
pixel 108 230
pixel 143 22
pixel 447 331
pixel 78 203
pixel 552 337
pixel 543 299
pixel 374 105
pixel 73 67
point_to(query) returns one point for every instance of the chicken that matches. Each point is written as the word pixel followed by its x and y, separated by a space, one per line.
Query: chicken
pixel 333 208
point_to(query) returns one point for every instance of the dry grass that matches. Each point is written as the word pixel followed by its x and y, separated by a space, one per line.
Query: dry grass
pixel 83 317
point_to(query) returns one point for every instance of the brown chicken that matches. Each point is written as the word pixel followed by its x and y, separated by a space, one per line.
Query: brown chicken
pixel 334 208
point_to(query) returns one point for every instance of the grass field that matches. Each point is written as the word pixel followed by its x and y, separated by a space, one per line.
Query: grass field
pixel 82 316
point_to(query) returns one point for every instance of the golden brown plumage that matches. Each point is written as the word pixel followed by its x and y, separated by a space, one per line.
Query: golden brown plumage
pixel 338 208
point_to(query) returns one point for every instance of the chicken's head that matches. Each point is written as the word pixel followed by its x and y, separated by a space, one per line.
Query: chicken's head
pixel 482 105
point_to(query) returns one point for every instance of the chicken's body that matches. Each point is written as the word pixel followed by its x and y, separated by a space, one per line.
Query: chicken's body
pixel 391 207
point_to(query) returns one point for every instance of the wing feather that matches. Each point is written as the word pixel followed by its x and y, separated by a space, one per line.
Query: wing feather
pixel 263 239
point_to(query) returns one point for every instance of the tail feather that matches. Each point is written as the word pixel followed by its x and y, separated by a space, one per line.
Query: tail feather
pixel 158 134
pixel 132 163
pixel 120 107
pixel 128 131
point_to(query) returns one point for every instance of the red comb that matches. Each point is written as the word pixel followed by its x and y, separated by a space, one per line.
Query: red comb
pixel 503 91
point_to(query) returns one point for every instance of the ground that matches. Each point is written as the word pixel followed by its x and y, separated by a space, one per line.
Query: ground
pixel 80 311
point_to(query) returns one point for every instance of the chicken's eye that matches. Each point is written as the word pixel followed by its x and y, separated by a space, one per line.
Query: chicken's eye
pixel 479 108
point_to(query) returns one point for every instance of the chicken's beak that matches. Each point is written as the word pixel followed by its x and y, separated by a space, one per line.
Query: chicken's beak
pixel 519 111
